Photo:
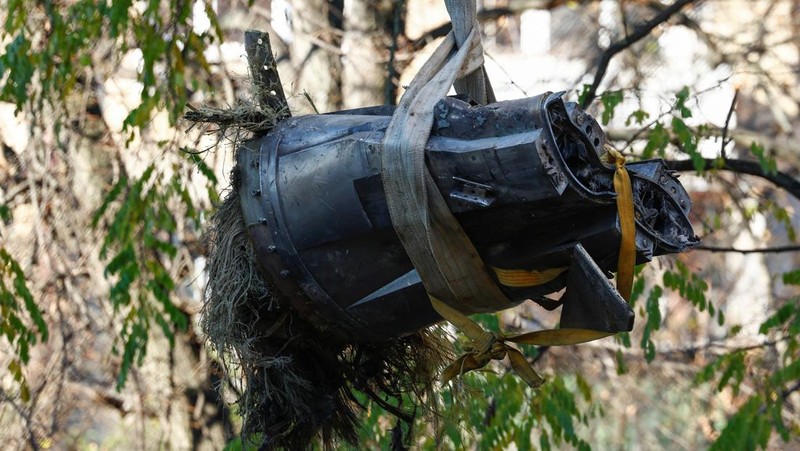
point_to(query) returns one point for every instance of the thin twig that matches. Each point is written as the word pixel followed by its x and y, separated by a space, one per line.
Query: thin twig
pixel 725 140
pixel 766 250
pixel 25 414
pixel 310 101
pixel 639 33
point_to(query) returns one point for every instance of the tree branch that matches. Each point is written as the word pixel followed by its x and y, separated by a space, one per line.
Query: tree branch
pixel 780 179
pixel 639 33
pixel 766 250
pixel 784 147
pixel 727 124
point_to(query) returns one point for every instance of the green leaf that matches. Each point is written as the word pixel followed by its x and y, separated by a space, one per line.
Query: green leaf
pixel 5 213
pixel 118 15
pixel 733 373
pixel 688 140
pixel 778 318
pixel 657 142
pixel 622 367
pixel 124 258
pixel 15 318
pixel 489 321
pixel 768 164
pixel 610 101
pixel 638 116
pixel 745 430
pixel 110 197
pixel 584 387
pixel 202 166
pixel 792 277
pixel 584 92
pixel 789 373
pixel 637 289
pixel 680 102
pixel 18 64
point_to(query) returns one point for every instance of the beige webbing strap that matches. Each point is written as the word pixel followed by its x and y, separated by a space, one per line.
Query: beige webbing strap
pixel 444 256
pixel 464 17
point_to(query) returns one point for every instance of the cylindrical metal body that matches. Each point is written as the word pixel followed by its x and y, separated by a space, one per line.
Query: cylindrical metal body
pixel 524 179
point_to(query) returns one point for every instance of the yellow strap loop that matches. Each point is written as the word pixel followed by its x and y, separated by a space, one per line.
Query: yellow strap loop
pixel 627 224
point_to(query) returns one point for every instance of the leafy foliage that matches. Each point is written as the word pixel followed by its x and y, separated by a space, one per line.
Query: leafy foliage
pixel 17 311
pixel 486 410
pixel 762 413
pixel 140 236
pixel 50 47
pixel 768 165
pixel 610 101
pixel 54 62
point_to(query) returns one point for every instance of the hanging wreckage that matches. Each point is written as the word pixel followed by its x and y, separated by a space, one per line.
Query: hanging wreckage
pixel 314 297
pixel 525 179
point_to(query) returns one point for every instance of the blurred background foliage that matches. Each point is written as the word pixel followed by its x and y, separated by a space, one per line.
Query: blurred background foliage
pixel 104 193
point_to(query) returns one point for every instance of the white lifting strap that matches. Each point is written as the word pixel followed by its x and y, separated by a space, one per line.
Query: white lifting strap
pixel 440 250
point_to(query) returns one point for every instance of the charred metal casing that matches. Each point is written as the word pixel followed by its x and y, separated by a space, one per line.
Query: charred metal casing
pixel 524 178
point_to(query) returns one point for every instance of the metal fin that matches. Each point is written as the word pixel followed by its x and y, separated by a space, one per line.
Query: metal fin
pixel 406 280
pixel 590 300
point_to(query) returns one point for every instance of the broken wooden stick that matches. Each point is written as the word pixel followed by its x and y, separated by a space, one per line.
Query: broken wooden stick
pixel 270 105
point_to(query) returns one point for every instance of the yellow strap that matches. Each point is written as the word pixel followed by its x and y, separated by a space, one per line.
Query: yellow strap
pixel 520 278
pixel 486 346
pixel 627 224
pixel 558 337
pixel 483 348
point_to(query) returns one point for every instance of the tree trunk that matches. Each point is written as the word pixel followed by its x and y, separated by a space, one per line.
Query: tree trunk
pixel 315 56
pixel 365 46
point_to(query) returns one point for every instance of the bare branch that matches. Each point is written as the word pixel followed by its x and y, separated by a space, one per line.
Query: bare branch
pixel 779 179
pixel 727 125
pixel 766 250
pixel 639 33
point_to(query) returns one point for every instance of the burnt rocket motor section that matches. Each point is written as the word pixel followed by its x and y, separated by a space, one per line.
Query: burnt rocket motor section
pixel 525 178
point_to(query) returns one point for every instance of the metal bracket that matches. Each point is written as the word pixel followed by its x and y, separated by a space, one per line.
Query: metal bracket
pixel 472 192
